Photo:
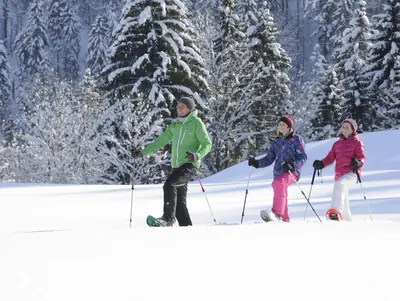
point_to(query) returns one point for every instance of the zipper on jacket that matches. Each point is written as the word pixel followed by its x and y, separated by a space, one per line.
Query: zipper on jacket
pixel 177 146
pixel 179 143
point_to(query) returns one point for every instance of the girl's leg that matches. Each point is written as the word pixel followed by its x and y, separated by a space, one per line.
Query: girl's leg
pixel 280 204
pixel 340 195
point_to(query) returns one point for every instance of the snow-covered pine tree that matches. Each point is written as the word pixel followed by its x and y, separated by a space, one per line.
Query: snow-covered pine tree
pixel 99 42
pixel 352 57
pixel 226 122
pixel 90 92
pixel 125 126
pixel 327 98
pixel 85 10
pixel 276 7
pixel 305 109
pixel 63 32
pixel 344 11
pixel 113 11
pixel 54 31
pixel 154 61
pixel 248 11
pixel 31 43
pixel 6 119
pixel 324 11
pixel 393 99
pixel 154 54
pixel 71 40
pixel 266 81
pixel 384 54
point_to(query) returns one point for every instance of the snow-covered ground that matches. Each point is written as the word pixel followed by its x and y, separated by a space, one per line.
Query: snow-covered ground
pixel 64 242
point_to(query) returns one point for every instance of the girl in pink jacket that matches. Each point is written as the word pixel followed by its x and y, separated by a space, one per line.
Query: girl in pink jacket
pixel 349 154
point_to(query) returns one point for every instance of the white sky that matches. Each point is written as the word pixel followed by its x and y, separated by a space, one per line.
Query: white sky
pixel 65 242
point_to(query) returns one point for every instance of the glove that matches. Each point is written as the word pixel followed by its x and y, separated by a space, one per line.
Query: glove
pixel 355 163
pixel 288 166
pixel 253 162
pixel 167 148
pixel 191 157
pixel 318 164
pixel 137 153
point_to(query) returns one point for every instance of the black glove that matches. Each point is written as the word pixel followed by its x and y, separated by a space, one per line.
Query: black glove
pixel 137 153
pixel 288 166
pixel 167 148
pixel 355 163
pixel 191 157
pixel 318 164
pixel 253 162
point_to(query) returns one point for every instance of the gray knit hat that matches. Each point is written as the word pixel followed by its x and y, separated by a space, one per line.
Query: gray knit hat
pixel 191 105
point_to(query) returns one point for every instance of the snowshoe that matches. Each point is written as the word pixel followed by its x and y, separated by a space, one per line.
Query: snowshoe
pixel 158 222
pixel 333 215
pixel 269 216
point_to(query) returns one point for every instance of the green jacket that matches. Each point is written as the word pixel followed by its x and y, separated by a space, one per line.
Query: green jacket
pixel 188 136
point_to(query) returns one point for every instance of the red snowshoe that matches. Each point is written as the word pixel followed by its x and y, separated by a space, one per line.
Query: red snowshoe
pixel 333 215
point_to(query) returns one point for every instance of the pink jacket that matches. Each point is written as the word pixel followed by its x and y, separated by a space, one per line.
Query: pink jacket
pixel 343 151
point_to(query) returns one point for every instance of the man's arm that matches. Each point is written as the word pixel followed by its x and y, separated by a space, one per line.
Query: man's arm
pixel 204 140
pixel 159 143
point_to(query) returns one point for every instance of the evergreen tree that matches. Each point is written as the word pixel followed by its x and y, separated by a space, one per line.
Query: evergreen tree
pixel 344 11
pixel 154 54
pixel 30 44
pixel 305 109
pixel 351 59
pixel 71 41
pixel 90 92
pixel 125 126
pixel 99 42
pixel 247 11
pixel 154 61
pixel 6 119
pixel 266 80
pixel 324 16
pixel 64 34
pixel 326 96
pixel 55 28
pixel 113 11
pixel 226 122
pixel 382 63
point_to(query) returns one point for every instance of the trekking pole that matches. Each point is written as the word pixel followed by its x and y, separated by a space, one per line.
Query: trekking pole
pixel 133 187
pixel 363 191
pixel 208 203
pixel 308 201
pixel 245 197
pixel 309 194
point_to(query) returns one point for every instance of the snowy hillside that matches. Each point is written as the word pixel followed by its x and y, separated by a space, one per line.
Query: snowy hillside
pixel 64 242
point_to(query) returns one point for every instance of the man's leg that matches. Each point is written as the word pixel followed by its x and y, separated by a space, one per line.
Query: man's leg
pixel 179 177
pixel 182 212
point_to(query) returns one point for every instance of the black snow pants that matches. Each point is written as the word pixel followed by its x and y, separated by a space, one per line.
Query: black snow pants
pixel 175 192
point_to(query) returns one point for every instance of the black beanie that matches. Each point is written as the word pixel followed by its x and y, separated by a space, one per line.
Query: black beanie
pixel 188 102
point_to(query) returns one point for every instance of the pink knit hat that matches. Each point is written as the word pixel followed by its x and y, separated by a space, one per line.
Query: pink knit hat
pixel 289 120
pixel 352 123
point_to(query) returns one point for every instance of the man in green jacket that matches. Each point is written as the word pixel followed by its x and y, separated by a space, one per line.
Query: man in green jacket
pixel 190 143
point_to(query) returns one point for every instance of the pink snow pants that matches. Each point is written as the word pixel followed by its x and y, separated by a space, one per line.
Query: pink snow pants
pixel 280 186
